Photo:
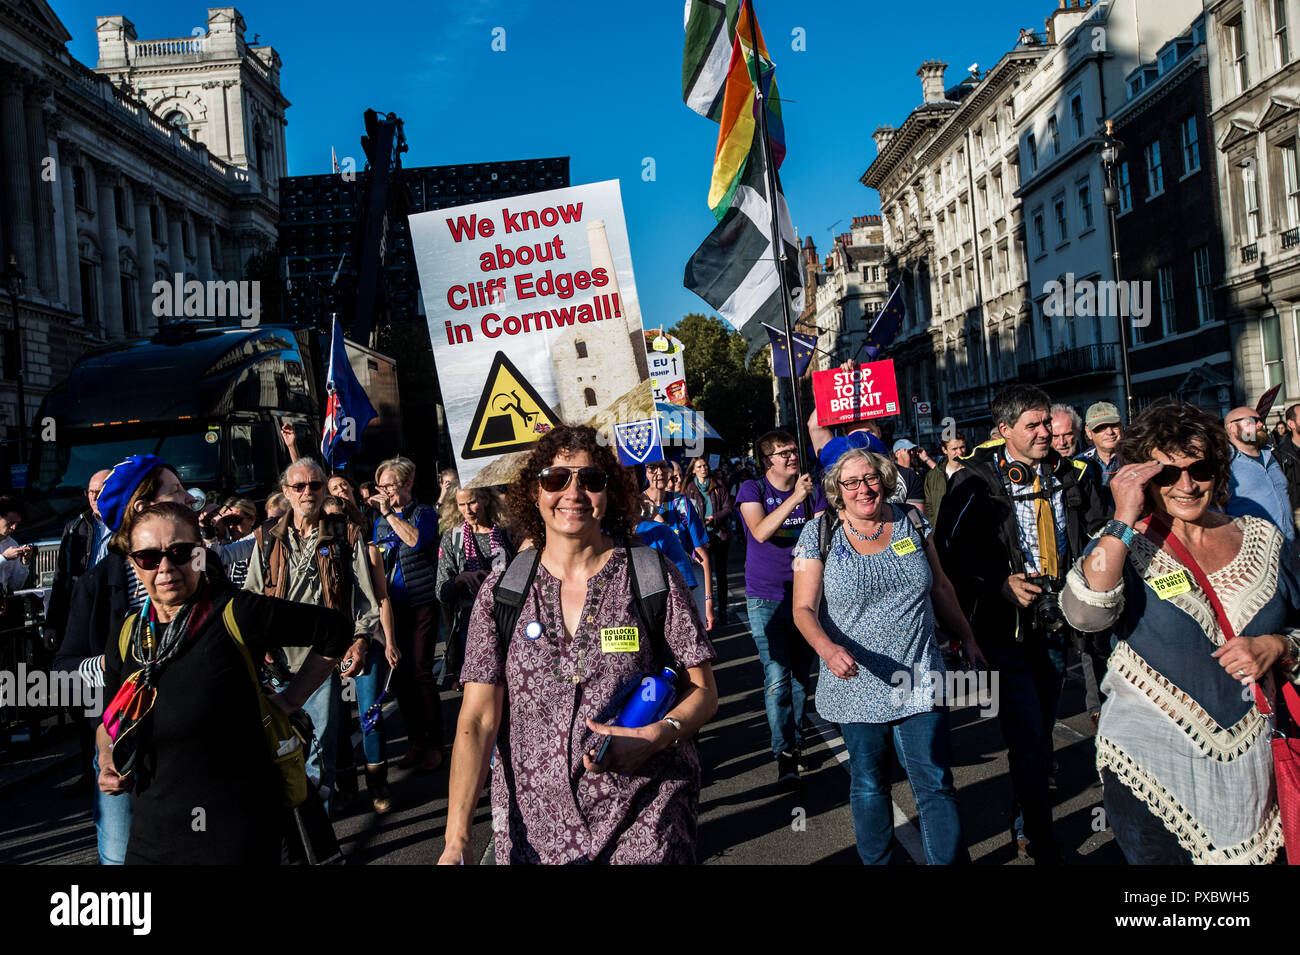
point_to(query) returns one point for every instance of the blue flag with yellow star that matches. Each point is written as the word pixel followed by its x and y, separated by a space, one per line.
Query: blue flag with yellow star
pixel 638 442
pixel 885 328
pixel 803 352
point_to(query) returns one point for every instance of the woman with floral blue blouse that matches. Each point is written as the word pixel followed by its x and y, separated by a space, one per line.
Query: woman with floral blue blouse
pixel 882 676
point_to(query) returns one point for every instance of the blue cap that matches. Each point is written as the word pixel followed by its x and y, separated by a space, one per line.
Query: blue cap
pixel 836 446
pixel 121 483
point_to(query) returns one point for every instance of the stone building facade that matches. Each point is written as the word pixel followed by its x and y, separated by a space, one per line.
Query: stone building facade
pixel 1170 237
pixel 954 239
pixel 1254 76
pixel 1060 108
pixel 164 159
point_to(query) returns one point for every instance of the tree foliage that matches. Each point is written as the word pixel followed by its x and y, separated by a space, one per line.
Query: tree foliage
pixel 735 399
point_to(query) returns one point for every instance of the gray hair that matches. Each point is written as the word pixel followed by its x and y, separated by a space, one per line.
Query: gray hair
pixel 311 463
pixel 1073 415
pixel 882 464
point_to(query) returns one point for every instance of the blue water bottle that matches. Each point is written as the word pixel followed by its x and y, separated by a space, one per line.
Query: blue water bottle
pixel 648 702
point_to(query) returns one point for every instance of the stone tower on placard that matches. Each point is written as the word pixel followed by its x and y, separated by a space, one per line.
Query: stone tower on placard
pixel 213 85
pixel 594 363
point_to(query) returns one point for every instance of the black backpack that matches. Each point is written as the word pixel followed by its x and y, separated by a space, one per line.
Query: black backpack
pixel 649 590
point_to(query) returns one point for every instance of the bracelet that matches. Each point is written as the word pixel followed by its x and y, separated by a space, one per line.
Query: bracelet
pixel 675 724
pixel 1118 530
pixel 708 596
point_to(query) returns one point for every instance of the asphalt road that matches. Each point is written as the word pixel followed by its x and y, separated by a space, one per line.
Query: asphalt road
pixel 745 817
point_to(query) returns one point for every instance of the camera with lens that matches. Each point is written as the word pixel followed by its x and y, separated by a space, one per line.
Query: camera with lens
pixel 1045 611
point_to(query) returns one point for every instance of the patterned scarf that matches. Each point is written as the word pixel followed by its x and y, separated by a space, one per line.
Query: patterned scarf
pixel 134 701
pixel 474 560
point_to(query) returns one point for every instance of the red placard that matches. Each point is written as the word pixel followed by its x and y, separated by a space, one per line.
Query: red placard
pixel 867 392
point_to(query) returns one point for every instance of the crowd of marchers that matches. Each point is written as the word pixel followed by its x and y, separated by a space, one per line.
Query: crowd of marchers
pixel 240 648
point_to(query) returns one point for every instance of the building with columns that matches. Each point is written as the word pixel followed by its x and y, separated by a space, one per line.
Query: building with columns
pixel 1254 91
pixel 954 238
pixel 163 159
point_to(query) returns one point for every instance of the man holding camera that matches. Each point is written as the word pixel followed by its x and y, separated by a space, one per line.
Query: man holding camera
pixel 1013 521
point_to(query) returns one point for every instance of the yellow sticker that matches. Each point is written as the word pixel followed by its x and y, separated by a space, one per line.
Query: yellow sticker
pixel 903 547
pixel 1171 585
pixel 620 640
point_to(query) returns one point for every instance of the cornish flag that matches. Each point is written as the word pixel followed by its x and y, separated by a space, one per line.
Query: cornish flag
pixel 347 409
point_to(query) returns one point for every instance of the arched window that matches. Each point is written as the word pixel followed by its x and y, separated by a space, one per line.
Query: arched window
pixel 179 120
pixel 589 396
pixel 582 349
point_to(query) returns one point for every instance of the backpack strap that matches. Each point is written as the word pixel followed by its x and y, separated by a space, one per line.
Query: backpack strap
pixel 650 590
pixel 917 521
pixel 124 636
pixel 510 591
pixel 826 525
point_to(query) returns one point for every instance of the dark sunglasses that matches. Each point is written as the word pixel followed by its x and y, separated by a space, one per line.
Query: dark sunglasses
pixel 151 557
pixel 299 488
pixel 590 478
pixel 1168 475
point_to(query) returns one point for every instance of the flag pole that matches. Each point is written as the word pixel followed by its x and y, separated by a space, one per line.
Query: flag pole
pixel 778 247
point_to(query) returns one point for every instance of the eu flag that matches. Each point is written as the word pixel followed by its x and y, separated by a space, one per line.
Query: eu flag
pixel 803 352
pixel 885 328
pixel 347 408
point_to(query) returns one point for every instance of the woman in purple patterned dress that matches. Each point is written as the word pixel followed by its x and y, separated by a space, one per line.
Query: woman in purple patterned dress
pixel 563 672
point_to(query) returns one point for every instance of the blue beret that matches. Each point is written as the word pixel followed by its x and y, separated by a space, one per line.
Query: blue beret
pixel 121 483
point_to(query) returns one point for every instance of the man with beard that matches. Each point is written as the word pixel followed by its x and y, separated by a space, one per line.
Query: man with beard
pixel 1258 485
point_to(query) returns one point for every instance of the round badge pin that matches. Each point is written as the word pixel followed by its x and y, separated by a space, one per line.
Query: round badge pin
pixel 533 630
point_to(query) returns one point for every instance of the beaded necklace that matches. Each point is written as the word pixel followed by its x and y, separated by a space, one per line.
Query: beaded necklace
pixel 864 537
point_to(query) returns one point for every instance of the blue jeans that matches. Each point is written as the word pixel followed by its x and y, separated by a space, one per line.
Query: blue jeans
pixel 369 685
pixel 112 816
pixel 325 709
pixel 922 745
pixel 787 669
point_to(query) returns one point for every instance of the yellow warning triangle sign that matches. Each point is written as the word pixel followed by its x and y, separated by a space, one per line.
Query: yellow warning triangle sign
pixel 510 414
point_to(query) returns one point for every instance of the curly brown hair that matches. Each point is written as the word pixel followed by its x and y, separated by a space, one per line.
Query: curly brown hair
pixel 622 496
pixel 1176 427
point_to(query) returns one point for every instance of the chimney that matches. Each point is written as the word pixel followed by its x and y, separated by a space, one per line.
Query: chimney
pixel 882 136
pixel 931 73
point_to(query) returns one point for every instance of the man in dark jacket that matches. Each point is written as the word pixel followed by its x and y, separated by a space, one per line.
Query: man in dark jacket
pixel 1012 523
pixel 83 545
pixel 1287 449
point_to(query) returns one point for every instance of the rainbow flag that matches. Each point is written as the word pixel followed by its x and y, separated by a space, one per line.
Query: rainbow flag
pixel 747 73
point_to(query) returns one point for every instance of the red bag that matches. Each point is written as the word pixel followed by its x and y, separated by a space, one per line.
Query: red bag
pixel 1286 750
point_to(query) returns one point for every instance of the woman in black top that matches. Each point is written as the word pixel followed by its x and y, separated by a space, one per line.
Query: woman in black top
pixel 204 787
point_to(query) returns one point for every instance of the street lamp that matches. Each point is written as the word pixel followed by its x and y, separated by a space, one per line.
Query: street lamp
pixel 14 279
pixel 1108 152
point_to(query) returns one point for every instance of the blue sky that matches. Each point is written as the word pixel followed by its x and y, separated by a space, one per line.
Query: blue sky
pixel 600 83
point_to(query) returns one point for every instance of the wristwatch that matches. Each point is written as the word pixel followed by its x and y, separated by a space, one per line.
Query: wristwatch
pixel 1118 529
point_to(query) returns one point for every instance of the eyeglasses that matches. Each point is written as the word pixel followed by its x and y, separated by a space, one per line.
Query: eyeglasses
pixel 790 454
pixel 590 478
pixel 314 486
pixel 92 492
pixel 1254 420
pixel 852 484
pixel 151 557
pixel 1168 475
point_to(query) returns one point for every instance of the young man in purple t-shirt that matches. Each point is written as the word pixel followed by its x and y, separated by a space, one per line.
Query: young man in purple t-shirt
pixel 774 509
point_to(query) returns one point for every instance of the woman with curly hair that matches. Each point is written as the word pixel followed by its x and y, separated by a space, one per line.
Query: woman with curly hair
pixel 578 647
pixel 1204 608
